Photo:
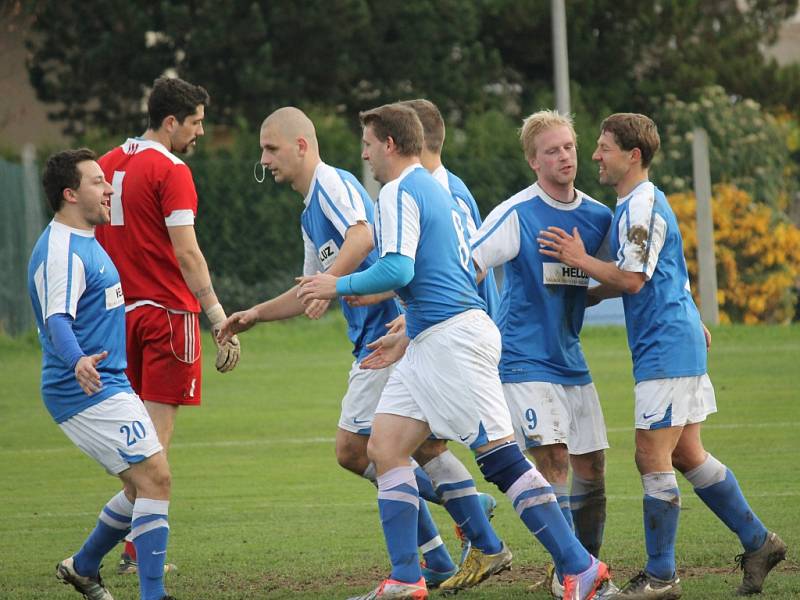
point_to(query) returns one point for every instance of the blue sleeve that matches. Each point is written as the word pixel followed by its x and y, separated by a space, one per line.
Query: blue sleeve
pixel 59 328
pixel 388 273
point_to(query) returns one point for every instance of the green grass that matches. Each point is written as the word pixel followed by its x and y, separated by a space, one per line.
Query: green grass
pixel 260 508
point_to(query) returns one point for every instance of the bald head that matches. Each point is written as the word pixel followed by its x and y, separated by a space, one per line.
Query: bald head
pixel 291 123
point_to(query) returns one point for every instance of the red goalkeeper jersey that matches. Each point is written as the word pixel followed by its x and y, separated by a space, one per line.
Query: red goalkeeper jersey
pixel 153 189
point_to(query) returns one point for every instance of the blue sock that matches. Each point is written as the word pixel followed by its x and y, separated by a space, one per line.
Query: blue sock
pixel 662 507
pixel 437 558
pixel 150 531
pixel 717 487
pixel 425 485
pixel 455 486
pixel 398 505
pixel 535 503
pixel 113 523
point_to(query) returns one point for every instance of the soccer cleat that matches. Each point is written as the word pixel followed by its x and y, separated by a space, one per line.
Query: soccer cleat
pixel 584 586
pixel 553 584
pixel 434 579
pixel 756 564
pixel 128 566
pixel 92 588
pixel 489 504
pixel 476 567
pixel 646 587
pixel 389 589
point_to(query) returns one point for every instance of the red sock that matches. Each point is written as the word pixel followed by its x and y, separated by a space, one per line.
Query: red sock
pixel 130 550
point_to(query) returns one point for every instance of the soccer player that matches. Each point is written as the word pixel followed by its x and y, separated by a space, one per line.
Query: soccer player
pixel 446 382
pixel 79 307
pixel 165 279
pixel 673 393
pixel 336 224
pixel 433 454
pixel 546 382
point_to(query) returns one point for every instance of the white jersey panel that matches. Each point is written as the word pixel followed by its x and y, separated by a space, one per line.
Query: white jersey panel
pixel 311 262
pixel 340 202
pixel 643 232
pixel 64 275
pixel 497 240
pixel 397 221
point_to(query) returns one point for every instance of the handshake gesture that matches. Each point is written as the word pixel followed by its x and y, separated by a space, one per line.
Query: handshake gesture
pixel 228 348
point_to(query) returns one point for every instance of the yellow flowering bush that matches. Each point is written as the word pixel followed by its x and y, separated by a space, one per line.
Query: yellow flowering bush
pixel 757 252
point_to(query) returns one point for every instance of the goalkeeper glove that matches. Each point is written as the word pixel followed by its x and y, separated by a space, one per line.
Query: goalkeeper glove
pixel 229 352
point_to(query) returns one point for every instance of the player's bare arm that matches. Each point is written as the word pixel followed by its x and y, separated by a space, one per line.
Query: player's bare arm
pixel 195 272
pixel 320 286
pixel 358 243
pixel 369 299
pixel 597 293
pixel 569 249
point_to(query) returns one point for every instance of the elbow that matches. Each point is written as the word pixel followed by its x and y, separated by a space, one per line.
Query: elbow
pixel 633 286
pixel 187 258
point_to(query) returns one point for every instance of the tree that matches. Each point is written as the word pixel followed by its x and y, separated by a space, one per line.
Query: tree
pixel 95 61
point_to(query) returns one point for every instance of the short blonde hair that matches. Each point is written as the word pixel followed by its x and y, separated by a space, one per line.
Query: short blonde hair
pixel 538 122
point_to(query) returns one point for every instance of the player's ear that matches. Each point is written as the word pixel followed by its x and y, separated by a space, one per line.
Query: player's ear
pixel 69 196
pixel 390 145
pixel 302 146
pixel 169 123
pixel 533 164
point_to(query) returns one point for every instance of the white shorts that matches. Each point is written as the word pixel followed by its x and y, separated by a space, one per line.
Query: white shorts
pixel 550 413
pixel 116 433
pixel 363 392
pixel 673 402
pixel 448 378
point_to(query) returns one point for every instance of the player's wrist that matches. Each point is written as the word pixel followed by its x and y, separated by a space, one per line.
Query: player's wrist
pixel 216 314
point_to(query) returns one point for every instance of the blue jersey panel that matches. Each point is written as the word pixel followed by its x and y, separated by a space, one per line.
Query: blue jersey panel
pixel 543 301
pixel 487 289
pixel 444 276
pixel 665 333
pixel 323 222
pixel 69 272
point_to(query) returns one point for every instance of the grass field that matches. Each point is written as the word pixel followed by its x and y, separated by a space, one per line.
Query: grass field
pixel 261 510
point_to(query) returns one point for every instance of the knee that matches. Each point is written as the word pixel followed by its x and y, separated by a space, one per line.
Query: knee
pixel 552 462
pixel 351 458
pixel 160 481
pixel 590 466
pixel 429 450
pixel 684 460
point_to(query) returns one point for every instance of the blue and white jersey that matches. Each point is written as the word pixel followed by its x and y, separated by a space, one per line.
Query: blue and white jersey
pixel 665 333
pixel 461 194
pixel 70 273
pixel 336 201
pixel 543 300
pixel 419 219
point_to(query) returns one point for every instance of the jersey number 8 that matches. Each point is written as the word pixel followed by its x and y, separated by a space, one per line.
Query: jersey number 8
pixel 463 246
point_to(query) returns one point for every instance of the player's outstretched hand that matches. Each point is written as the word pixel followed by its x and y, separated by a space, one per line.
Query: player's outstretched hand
pixel 397 325
pixel 368 299
pixel 559 244
pixel 386 351
pixel 236 323
pixel 321 286
pixel 86 373
pixel 316 308
pixel 228 348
